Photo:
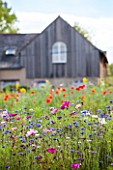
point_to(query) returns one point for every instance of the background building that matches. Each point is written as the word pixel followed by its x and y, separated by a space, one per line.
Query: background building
pixel 59 51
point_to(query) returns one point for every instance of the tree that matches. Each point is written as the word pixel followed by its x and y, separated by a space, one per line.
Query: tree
pixel 7 19
pixel 82 31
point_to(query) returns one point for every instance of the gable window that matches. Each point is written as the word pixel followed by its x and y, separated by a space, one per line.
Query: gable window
pixel 59 53
pixel 10 52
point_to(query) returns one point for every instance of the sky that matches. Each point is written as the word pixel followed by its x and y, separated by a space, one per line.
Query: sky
pixel 96 16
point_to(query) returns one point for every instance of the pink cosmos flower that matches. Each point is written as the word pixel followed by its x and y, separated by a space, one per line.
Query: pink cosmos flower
pixel 14 128
pixel 8 163
pixel 5 113
pixel 43 116
pixel 51 150
pixel 18 118
pixel 75 166
pixel 31 132
pixel 78 106
pixel 47 130
pixel 12 114
pixel 54 110
pixel 42 162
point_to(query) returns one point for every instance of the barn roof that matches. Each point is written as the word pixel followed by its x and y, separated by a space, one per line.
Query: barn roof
pixel 15 42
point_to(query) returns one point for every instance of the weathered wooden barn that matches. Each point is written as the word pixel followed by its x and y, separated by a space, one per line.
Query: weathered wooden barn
pixel 59 51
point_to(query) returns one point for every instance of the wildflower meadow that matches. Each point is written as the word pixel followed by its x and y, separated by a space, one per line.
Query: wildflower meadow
pixel 61 128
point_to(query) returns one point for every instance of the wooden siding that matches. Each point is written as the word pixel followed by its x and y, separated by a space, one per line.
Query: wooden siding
pixel 82 56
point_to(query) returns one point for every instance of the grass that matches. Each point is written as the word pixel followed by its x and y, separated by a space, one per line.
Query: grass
pixel 63 128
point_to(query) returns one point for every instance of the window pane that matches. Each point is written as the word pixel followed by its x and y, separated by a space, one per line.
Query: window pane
pixel 62 48
pixel 55 58
pixel 59 53
pixel 63 57
pixel 55 49
pixel 10 51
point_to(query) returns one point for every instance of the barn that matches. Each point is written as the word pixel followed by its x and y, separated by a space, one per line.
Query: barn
pixel 59 51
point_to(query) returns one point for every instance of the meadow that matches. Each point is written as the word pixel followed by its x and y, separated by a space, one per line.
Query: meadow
pixel 64 128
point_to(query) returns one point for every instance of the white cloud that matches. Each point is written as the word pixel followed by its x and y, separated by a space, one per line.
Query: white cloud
pixel 100 29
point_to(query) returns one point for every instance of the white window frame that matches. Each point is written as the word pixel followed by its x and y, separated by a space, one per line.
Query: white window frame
pixel 59 52
pixel 10 51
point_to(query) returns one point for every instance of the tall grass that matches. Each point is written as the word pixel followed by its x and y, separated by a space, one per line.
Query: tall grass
pixel 53 129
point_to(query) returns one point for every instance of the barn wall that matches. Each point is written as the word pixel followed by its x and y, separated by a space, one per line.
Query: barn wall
pixel 19 75
pixel 82 56
pixel 28 59
pixel 103 67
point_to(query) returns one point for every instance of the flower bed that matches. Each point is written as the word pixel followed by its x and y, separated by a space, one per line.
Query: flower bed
pixel 53 129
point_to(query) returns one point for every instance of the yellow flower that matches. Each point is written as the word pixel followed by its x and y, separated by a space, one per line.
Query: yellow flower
pixel 23 90
pixel 17 85
pixel 42 86
pixel 47 82
pixel 84 80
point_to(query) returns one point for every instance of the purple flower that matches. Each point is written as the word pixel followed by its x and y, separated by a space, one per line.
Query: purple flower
pixel 7 166
pixel 75 166
pixel 102 115
pixel 71 150
pixel 28 117
pixel 65 105
pixel 12 114
pixel 38 125
pixel 111 101
pixel 38 157
pixel 107 107
pixel 59 117
pixel 20 153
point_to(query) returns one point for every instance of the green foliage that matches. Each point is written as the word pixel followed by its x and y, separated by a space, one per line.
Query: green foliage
pixel 82 31
pixel 7 19
pixel 36 134
pixel 11 88
pixel 110 70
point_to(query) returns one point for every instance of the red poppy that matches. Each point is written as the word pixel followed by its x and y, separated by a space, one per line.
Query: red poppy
pixel 48 100
pixel 105 92
pixel 82 97
pixel 78 88
pixel 32 92
pixel 12 95
pixel 82 86
pixel 51 92
pixel 58 87
pixel 110 91
pixel 64 90
pixel 57 92
pixel 64 95
pixel 50 96
pixel 72 88
pixel 17 100
pixel 17 95
pixel 6 97
pixel 93 90
pixel 62 101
